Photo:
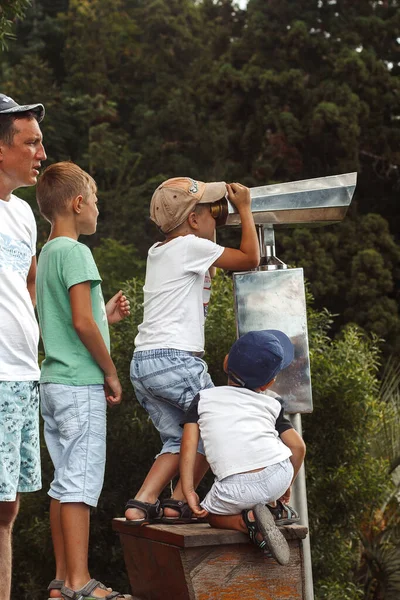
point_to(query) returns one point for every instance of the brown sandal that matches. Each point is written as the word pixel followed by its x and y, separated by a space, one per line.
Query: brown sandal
pixel 185 512
pixel 152 512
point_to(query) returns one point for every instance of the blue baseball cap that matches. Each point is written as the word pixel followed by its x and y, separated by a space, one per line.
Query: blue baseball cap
pixel 257 357
pixel 8 105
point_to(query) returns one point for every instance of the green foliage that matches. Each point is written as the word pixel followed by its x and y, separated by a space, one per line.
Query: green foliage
pixel 381 562
pixel 333 590
pixel 220 330
pixel 345 482
pixel 352 269
pixel 116 263
pixel 387 436
pixel 9 12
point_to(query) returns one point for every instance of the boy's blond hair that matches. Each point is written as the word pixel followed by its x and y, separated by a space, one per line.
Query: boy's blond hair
pixel 59 184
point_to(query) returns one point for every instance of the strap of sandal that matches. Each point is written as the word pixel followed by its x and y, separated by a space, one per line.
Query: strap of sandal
pixel 112 594
pixel 279 510
pixel 185 512
pixel 55 584
pixel 253 530
pixel 87 589
pixel 290 512
pixel 151 511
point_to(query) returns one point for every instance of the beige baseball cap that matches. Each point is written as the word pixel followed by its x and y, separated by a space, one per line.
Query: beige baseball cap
pixel 175 199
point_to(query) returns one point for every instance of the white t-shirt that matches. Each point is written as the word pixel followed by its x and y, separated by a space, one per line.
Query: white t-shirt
pixel 176 294
pixel 238 429
pixel 19 332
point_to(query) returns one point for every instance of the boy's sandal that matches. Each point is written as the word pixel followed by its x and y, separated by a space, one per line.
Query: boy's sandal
pixel 272 538
pixel 86 593
pixel 283 513
pixel 184 510
pixel 55 584
pixel 152 512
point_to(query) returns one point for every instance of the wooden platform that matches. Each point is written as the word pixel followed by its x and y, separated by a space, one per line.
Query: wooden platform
pixel 197 562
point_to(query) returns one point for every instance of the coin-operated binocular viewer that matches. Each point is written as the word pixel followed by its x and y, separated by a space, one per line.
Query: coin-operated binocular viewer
pixel 273 296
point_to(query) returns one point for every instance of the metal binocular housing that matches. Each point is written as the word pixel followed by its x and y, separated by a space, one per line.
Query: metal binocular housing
pixel 319 201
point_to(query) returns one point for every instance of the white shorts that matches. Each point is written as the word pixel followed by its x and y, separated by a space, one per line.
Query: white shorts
pixel 244 490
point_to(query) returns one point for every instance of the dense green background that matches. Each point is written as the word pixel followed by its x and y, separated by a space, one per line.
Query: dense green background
pixel 140 90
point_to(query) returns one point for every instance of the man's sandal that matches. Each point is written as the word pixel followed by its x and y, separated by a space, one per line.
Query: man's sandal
pixel 152 512
pixel 55 584
pixel 283 513
pixel 272 538
pixel 86 593
pixel 185 512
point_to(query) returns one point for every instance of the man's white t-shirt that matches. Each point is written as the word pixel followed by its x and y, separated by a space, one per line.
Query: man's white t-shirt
pixel 238 429
pixel 176 294
pixel 19 331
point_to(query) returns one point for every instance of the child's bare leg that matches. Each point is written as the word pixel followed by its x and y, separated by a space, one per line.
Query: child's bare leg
pixel 75 523
pixel 229 521
pixel 58 544
pixel 200 469
pixel 232 522
pixel 164 468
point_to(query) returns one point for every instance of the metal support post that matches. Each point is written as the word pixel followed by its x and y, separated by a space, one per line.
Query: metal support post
pixel 299 501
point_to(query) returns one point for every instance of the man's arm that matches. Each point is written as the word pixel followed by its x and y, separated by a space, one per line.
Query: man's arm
pixel 190 440
pixel 89 334
pixel 31 281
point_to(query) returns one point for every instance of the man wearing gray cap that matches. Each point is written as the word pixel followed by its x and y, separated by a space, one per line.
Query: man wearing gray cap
pixel 21 154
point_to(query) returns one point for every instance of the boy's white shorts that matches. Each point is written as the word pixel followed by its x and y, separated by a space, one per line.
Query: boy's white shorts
pixel 244 490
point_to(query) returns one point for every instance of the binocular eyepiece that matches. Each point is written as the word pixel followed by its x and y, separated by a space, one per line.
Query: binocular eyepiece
pixel 219 210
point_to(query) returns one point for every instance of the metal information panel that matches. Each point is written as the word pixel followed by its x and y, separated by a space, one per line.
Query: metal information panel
pixel 276 300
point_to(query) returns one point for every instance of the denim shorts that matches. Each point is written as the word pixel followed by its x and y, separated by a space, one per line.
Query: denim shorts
pixel 243 491
pixel 75 433
pixel 165 382
pixel 19 439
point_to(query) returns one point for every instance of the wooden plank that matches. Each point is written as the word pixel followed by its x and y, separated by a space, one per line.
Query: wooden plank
pixel 194 535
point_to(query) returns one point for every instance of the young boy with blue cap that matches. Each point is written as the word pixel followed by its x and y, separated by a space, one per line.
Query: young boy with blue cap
pixel 252 449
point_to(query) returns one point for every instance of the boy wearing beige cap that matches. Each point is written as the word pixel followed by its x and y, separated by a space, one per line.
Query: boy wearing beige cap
pixel 167 369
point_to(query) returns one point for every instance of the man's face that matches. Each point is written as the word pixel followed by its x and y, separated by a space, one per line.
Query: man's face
pixel 20 162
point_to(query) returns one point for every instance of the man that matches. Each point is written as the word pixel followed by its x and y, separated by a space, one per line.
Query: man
pixel 21 153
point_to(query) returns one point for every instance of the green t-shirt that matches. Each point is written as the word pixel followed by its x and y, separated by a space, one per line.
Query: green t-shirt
pixel 64 262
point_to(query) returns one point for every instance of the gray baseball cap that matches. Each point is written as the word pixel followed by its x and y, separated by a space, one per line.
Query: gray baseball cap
pixel 8 105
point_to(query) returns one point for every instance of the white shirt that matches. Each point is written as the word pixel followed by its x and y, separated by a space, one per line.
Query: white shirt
pixel 19 332
pixel 237 427
pixel 176 293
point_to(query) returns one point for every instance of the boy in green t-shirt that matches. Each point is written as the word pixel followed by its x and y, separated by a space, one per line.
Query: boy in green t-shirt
pixel 78 376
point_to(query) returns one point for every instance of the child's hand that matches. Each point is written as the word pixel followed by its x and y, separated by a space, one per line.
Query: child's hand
pixel 117 308
pixel 113 389
pixel 286 496
pixel 193 501
pixel 239 195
